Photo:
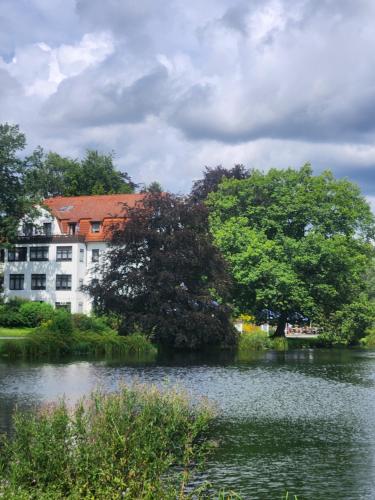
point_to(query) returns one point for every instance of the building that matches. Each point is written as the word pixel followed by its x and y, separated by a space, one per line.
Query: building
pixel 55 255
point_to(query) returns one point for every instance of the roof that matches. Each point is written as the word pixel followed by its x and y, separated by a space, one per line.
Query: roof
pixel 107 209
pixel 94 207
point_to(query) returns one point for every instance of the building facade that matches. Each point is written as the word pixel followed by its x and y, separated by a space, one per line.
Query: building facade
pixel 56 254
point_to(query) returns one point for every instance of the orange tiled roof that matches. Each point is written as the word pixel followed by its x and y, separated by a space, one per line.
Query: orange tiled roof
pixel 84 209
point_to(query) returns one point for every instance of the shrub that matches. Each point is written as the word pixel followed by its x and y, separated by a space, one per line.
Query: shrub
pixel 89 323
pixel 10 317
pixel 137 443
pixel 34 313
pixel 369 339
pixel 279 344
pixel 256 341
pixel 60 323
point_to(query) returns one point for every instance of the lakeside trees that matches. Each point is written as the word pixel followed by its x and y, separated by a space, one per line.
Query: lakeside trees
pixel 14 201
pixel 297 244
pixel 49 174
pixel 163 273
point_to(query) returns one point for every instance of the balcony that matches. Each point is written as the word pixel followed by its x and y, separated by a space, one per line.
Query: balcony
pixel 57 238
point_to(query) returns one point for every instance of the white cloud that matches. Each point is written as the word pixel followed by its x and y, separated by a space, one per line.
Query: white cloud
pixel 173 85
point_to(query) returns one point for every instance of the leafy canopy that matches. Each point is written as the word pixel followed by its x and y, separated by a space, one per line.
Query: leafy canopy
pixel 163 273
pixel 54 175
pixel 13 200
pixel 297 244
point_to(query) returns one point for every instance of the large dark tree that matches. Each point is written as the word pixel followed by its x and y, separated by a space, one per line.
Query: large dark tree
pixel 163 274
pixel 212 177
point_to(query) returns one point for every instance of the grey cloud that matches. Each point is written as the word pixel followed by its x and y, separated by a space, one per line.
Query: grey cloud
pixel 295 75
pixel 107 103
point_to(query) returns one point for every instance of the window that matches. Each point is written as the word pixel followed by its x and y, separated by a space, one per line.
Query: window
pixel 95 227
pixel 81 255
pixel 16 281
pixel 64 253
pixel 80 284
pixel 63 281
pixel 72 228
pixel 2 254
pixel 28 229
pixel 17 254
pixel 38 282
pixel 47 228
pixel 38 253
pixel 63 305
pixel 95 254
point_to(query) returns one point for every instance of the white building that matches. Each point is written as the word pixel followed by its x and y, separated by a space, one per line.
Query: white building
pixel 56 254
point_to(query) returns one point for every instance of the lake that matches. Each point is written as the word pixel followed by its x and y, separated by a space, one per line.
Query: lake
pixel 302 421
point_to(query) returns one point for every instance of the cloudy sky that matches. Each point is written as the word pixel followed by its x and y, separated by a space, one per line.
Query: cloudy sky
pixel 172 86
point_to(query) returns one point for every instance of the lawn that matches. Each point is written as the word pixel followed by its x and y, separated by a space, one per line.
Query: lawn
pixel 15 332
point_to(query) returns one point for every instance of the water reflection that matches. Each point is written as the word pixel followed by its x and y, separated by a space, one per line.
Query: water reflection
pixel 301 421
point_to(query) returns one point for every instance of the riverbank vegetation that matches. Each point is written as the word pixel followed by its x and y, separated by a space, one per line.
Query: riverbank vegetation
pixel 298 247
pixel 59 333
pixel 137 443
pixel 286 245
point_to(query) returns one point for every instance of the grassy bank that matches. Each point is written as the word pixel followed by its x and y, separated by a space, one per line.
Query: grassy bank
pixel 259 340
pixel 15 332
pixel 138 443
pixel 51 344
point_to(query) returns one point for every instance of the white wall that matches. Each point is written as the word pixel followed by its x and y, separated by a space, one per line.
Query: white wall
pixel 80 302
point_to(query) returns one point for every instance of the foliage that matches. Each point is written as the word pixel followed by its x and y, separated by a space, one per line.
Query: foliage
pixel 13 202
pixel 296 243
pixel 61 323
pixel 212 178
pixel 154 187
pixel 137 443
pixel 254 341
pixel 163 273
pixel 53 175
pixel 45 343
pixel 33 313
pixel 349 324
pixel 86 323
pixel 369 339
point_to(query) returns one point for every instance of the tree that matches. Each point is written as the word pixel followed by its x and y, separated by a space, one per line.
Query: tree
pixel 163 274
pixel 212 177
pixel 154 187
pixel 54 175
pixel 297 244
pixel 13 202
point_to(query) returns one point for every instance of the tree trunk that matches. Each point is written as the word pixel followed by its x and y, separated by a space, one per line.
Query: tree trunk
pixel 280 330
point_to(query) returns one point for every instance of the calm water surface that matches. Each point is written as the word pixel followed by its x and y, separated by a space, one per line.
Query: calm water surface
pixel 301 421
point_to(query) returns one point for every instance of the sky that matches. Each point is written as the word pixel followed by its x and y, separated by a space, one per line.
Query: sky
pixel 173 86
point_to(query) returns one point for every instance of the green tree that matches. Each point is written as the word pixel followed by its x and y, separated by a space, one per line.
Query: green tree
pixel 54 175
pixel 13 201
pixel 163 274
pixel 297 244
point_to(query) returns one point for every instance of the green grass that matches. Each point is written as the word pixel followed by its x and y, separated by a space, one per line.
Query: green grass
pixel 51 345
pixel 139 443
pixel 15 332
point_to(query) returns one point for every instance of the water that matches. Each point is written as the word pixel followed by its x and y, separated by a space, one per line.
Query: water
pixel 301 421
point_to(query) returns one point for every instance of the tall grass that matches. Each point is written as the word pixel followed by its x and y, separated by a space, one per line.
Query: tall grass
pixel 139 443
pixel 50 344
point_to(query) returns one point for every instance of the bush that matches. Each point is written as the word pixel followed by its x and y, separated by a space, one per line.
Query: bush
pixel 258 340
pixel 369 339
pixel 139 443
pixel 85 323
pixel 60 323
pixel 10 317
pixel 34 313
